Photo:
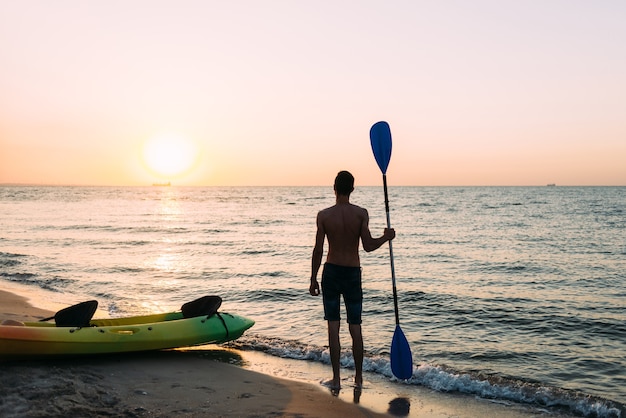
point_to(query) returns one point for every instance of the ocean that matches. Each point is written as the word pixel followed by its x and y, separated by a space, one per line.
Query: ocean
pixel 512 294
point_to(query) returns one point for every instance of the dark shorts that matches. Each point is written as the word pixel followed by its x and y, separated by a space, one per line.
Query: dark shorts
pixel 346 281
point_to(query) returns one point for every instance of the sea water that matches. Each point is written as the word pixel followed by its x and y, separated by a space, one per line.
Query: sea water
pixel 514 294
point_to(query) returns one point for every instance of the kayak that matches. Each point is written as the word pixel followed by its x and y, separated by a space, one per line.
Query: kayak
pixel 118 335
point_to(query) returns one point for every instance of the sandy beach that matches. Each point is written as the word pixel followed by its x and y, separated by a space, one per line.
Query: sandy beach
pixel 209 381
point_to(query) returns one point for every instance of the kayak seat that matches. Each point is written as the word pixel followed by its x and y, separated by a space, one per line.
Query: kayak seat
pixel 78 315
pixel 204 306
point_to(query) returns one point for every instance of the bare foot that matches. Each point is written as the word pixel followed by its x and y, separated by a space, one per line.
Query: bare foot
pixel 334 387
pixel 332 384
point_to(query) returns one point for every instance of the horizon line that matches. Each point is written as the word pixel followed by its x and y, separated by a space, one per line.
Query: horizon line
pixel 13 184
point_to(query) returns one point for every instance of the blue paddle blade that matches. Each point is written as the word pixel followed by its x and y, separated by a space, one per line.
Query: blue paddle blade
pixel 401 359
pixel 380 137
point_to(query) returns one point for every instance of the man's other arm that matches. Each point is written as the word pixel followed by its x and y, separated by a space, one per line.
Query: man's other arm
pixel 316 257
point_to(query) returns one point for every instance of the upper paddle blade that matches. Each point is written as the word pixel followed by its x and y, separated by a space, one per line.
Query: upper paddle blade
pixel 380 137
pixel 401 358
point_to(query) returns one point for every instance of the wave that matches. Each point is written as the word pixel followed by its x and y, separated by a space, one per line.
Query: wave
pixel 53 284
pixel 116 228
pixel 445 379
pixel 10 259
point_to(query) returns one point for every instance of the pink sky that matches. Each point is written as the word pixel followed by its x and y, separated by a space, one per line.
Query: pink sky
pixel 284 92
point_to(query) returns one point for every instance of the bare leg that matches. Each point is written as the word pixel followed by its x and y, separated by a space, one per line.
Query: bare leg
pixel 357 353
pixel 335 352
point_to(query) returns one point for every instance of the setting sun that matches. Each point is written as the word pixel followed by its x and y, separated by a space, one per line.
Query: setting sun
pixel 169 155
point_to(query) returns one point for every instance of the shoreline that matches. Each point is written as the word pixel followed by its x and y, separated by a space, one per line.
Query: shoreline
pixel 209 381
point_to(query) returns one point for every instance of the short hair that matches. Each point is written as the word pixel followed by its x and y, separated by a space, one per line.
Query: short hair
pixel 344 183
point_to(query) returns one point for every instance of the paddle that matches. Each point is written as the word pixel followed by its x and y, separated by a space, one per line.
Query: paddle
pixel 401 359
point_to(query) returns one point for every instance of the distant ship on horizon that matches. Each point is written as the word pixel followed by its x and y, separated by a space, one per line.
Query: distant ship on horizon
pixel 162 184
pixel 551 184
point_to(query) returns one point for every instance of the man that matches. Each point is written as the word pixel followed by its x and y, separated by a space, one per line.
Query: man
pixel 343 225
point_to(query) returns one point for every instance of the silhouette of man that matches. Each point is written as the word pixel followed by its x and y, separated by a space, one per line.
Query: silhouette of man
pixel 343 225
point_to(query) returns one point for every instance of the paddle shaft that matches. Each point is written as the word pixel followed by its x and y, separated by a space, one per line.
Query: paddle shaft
pixel 393 270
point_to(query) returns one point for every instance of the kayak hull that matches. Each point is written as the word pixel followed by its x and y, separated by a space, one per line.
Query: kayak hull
pixel 118 335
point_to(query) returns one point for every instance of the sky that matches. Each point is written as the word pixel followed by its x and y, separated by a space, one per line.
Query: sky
pixel 203 93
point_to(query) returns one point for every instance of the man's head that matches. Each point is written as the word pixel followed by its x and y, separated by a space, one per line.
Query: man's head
pixel 344 183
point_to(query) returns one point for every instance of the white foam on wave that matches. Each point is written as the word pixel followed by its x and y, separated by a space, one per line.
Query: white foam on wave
pixel 444 379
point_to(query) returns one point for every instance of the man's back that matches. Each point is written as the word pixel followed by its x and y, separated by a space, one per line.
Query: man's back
pixel 343 225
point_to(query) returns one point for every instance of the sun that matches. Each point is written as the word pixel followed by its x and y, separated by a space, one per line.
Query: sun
pixel 169 155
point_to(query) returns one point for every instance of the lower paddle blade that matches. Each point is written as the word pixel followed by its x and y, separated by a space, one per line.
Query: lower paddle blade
pixel 401 359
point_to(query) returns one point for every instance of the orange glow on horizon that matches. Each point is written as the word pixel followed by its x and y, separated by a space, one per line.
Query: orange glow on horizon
pixel 504 99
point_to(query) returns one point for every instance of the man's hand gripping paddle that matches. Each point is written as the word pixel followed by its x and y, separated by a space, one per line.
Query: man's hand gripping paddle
pixel 401 359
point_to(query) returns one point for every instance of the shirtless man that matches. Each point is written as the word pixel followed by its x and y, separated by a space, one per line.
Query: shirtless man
pixel 343 225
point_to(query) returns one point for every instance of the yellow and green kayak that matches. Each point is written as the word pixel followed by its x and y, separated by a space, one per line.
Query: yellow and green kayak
pixel 118 335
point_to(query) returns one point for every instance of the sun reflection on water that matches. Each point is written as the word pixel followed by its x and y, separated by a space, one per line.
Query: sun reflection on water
pixel 167 263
